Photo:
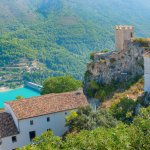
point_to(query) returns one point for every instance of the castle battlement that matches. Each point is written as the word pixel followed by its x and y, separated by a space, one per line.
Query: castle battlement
pixel 120 27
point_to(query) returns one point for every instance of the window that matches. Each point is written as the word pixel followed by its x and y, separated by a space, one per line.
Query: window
pixel 31 122
pixel 48 119
pixel 32 135
pixel 14 139
pixel 131 34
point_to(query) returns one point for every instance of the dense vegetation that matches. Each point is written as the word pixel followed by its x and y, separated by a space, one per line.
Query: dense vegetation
pixel 60 34
pixel 131 93
pixel 60 84
pixel 119 126
pixel 104 91
pixel 87 119
pixel 125 137
pixel 116 127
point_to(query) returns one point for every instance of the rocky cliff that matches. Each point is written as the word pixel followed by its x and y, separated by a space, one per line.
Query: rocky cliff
pixel 114 67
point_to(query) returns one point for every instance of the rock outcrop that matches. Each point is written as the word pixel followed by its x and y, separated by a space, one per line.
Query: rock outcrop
pixel 142 101
pixel 116 66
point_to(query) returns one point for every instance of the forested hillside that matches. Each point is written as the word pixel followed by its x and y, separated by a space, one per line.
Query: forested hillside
pixel 61 34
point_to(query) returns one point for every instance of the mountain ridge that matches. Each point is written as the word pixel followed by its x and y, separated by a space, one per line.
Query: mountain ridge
pixel 61 34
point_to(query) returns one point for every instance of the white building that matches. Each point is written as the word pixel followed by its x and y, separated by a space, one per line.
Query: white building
pixel 147 72
pixel 24 119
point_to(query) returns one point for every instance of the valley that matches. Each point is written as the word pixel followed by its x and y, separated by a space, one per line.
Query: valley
pixel 60 34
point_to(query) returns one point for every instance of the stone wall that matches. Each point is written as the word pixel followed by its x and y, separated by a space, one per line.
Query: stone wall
pixel 117 66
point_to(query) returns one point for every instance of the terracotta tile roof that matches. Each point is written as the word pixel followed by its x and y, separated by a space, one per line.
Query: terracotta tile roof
pixel 7 125
pixel 46 104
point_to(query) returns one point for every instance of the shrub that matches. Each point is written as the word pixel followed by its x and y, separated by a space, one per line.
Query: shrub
pixel 123 109
pixel 105 51
pixel 92 88
pixel 87 119
pixel 112 60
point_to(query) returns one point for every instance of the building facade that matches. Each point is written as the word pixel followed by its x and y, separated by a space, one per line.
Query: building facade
pixel 25 119
pixel 123 34
pixel 147 72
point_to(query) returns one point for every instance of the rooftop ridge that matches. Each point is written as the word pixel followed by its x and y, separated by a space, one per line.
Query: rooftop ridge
pixel 47 104
pixel 46 95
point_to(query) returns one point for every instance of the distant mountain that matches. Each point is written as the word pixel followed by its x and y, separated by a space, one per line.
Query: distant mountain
pixel 61 34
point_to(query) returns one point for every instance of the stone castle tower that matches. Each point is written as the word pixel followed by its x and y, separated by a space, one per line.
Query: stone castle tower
pixel 123 34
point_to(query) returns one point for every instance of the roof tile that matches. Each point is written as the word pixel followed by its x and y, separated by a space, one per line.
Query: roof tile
pixel 7 125
pixel 47 104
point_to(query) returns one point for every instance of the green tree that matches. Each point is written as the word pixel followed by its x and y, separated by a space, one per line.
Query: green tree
pixel 122 137
pixel 60 84
pixel 87 119
pixel 47 141
pixel 19 97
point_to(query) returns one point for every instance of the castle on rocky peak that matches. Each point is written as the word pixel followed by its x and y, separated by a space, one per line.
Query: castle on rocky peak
pixel 123 34
pixel 130 60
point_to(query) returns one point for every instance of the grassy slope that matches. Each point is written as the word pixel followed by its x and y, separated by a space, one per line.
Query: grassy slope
pixel 132 93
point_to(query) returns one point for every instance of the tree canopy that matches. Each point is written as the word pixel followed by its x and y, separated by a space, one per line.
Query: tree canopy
pixel 122 137
pixel 60 84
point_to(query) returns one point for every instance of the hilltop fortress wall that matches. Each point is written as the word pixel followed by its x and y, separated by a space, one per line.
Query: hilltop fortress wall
pixel 122 65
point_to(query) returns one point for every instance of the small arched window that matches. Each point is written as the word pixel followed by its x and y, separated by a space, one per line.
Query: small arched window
pixel 131 34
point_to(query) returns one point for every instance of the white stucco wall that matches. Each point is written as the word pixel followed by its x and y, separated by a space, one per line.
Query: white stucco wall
pixel 57 124
pixel 147 74
pixel 7 143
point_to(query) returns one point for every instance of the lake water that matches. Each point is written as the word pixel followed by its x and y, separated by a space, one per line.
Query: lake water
pixel 12 94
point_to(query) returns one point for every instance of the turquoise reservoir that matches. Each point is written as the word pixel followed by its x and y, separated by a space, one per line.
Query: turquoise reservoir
pixel 12 94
